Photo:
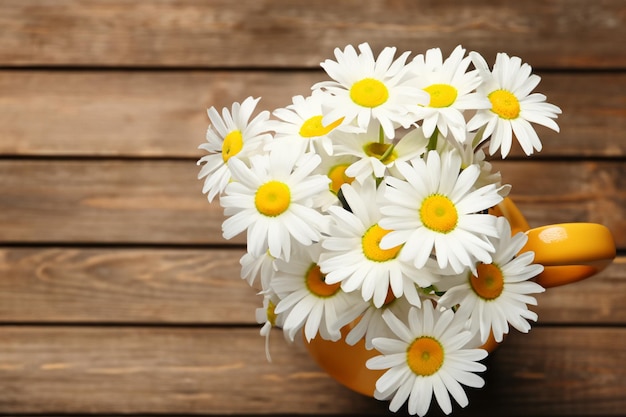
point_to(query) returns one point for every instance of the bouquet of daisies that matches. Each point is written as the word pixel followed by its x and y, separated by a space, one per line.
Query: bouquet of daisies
pixel 366 203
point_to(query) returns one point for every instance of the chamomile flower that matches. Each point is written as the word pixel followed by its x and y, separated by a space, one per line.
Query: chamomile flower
pixel 436 206
pixel 307 300
pixel 513 108
pixel 232 133
pixel 258 267
pixel 353 256
pixel 428 356
pixel 267 316
pixel 377 157
pixel 451 89
pixel 273 200
pixel 302 122
pixel 498 294
pixel 365 88
pixel 370 324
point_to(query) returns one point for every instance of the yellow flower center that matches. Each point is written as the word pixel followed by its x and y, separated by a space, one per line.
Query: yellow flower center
pixel 441 95
pixel 313 127
pixel 369 92
pixel 338 177
pixel 272 198
pixel 317 285
pixel 425 356
pixel 371 245
pixel 271 313
pixel 489 283
pixel 233 142
pixel 378 150
pixel 438 213
pixel 504 104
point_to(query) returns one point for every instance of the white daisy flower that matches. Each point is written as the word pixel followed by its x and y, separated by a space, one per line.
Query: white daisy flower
pixel 354 258
pixel 377 157
pixel 273 201
pixel 498 294
pixel 429 356
pixel 437 207
pixel 370 324
pixel 232 133
pixel 302 122
pixel 307 301
pixel 262 267
pixel 513 108
pixel 268 317
pixel 365 88
pixel 451 89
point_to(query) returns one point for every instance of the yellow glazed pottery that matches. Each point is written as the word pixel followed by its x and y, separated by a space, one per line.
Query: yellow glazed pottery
pixel 569 252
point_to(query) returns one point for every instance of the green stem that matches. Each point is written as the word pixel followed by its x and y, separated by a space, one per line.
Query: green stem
pixel 343 201
pixel 382 158
pixel 381 140
pixel 432 142
pixel 387 152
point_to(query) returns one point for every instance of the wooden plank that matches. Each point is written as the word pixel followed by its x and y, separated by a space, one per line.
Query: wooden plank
pixel 132 113
pixel 112 201
pixel 160 201
pixel 530 371
pixel 106 202
pixel 598 299
pixel 591 109
pixel 189 286
pixel 174 33
pixel 162 114
pixel 551 371
pixel 561 192
pixel 76 285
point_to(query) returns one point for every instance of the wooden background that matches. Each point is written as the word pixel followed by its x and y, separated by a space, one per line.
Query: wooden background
pixel 118 294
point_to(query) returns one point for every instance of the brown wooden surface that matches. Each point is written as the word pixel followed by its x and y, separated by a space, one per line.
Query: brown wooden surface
pixel 552 371
pixel 155 113
pixel 117 293
pixel 160 201
pixel 199 286
pixel 287 34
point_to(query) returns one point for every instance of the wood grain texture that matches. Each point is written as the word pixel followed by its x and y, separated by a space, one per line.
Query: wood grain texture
pixel 566 191
pixel 106 201
pixel 118 294
pixel 163 114
pixel 557 371
pixel 283 33
pixel 597 300
pixel 82 285
pixel 189 286
pixel 160 202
